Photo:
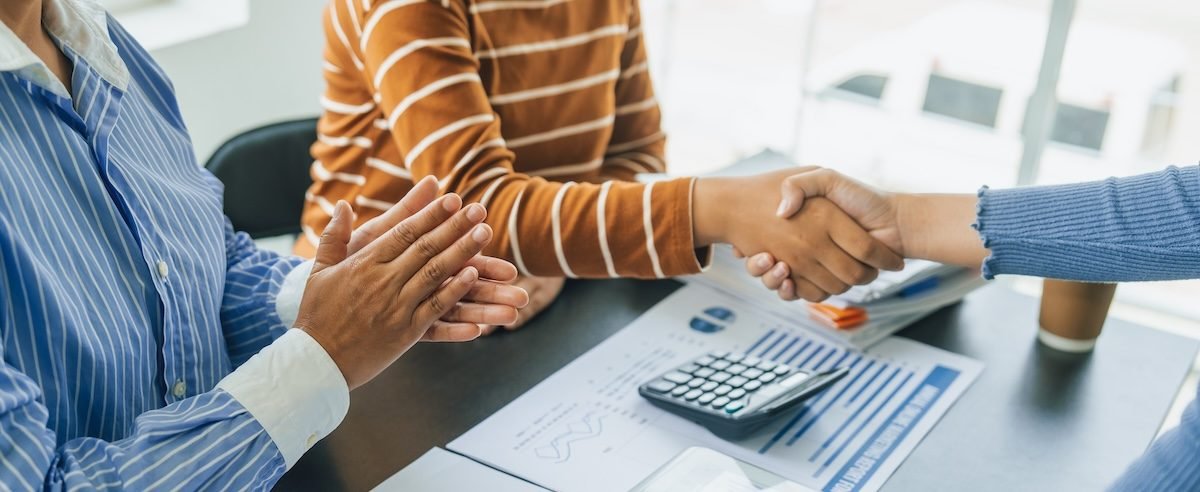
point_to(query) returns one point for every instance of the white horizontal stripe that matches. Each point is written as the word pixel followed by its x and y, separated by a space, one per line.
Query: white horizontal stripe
pixel 556 229
pixel 389 168
pixel 636 107
pixel 633 33
pixel 382 124
pixel 653 162
pixel 362 142
pixel 341 35
pixel 421 93
pixel 329 67
pixel 554 44
pixel 320 201
pixel 376 204
pixel 346 108
pixel 649 226
pixel 568 169
pixel 512 236
pixel 484 177
pixel 565 131
pixel 627 146
pixel 487 195
pixel 602 229
pixel 630 72
pixel 377 14
pixel 554 90
pixel 470 156
pixel 409 48
pixel 441 133
pixel 323 174
pixel 312 236
pixel 514 5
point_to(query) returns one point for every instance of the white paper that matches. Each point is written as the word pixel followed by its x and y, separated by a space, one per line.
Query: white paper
pixel 439 470
pixel 586 428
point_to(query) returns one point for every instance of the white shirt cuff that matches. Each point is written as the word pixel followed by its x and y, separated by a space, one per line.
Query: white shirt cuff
pixel 295 391
pixel 287 301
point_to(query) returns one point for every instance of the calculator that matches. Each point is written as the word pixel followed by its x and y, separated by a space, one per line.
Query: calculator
pixel 734 395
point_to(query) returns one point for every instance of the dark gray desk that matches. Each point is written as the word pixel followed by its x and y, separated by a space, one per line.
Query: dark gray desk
pixel 1035 419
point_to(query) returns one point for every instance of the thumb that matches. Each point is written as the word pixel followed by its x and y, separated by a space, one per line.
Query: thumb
pixel 332 249
pixel 798 187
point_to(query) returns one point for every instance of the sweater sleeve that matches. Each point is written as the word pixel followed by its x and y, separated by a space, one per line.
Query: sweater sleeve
pixel 1138 228
pixel 1173 461
pixel 419 59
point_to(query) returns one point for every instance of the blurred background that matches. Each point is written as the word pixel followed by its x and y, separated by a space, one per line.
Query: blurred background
pixel 929 95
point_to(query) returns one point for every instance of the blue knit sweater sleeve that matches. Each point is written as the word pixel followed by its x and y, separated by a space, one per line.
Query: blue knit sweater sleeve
pixel 1144 227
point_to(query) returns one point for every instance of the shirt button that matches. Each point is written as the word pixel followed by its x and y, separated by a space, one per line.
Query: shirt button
pixel 162 269
pixel 180 389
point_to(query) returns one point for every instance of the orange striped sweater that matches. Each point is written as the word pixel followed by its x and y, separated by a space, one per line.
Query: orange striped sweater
pixel 542 110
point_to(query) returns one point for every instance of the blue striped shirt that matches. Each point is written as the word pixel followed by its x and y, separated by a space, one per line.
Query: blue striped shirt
pixel 128 300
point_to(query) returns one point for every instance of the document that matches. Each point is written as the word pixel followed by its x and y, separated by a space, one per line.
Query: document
pixel 440 470
pixel 585 428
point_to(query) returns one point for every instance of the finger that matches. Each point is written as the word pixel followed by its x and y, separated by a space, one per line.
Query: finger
pixel 759 264
pixel 485 330
pixel 400 238
pixel 472 312
pixel 455 247
pixel 332 248
pixel 856 242
pixel 819 275
pixel 424 192
pixel 442 331
pixel 494 269
pixel 488 292
pixel 775 277
pixel 787 291
pixel 808 291
pixel 846 268
pixel 798 187
pixel 446 297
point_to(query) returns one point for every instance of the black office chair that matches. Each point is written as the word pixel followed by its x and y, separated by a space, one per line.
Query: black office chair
pixel 265 172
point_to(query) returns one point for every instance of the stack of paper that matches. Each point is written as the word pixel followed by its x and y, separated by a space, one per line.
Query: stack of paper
pixel 863 315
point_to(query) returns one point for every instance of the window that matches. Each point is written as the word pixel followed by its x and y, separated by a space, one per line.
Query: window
pixel 961 100
pixel 1079 126
pixel 865 85
pixel 1159 121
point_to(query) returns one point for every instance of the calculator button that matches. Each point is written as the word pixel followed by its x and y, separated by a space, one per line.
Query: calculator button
pixel 720 377
pixel 693 394
pixel 720 402
pixel 737 393
pixel 720 365
pixel 690 368
pixel 781 370
pixel 704 361
pixel 718 354
pixel 661 386
pixel 752 385
pixel 766 378
pixel 752 373
pixel 722 389
pixel 737 381
pixel 676 377
pixel 680 390
pixel 733 408
pixel 736 369
pixel 709 385
pixel 695 382
pixel 703 373
pixel 706 398
pixel 751 361
pixel 735 357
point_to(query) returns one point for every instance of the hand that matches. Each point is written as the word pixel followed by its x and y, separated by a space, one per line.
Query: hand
pixel 490 302
pixel 542 292
pixel 874 210
pixel 368 308
pixel 825 250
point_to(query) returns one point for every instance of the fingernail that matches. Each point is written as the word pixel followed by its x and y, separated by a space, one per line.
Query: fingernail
pixel 451 203
pixel 763 261
pixel 470 274
pixel 481 233
pixel 779 271
pixel 475 212
pixel 784 206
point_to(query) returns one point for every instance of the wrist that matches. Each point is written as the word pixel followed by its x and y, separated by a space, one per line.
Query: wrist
pixel 710 202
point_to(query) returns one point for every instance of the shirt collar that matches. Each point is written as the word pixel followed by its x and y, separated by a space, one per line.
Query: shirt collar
pixel 81 25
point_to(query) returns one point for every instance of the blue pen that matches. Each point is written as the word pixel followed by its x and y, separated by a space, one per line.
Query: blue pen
pixel 921 287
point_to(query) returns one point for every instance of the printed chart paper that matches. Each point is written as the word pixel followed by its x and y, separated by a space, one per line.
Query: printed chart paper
pixel 586 428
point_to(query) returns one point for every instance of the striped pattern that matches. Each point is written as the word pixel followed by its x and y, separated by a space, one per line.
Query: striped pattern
pixel 543 110
pixel 1139 228
pixel 126 294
